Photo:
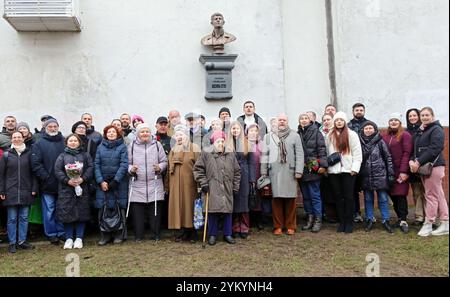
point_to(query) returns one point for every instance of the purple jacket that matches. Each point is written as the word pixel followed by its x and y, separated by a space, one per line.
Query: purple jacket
pixel 145 155
pixel 400 151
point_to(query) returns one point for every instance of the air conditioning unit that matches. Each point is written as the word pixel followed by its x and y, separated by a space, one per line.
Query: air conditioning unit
pixel 49 15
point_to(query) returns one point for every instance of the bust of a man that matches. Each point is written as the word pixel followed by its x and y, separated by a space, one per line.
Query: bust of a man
pixel 219 37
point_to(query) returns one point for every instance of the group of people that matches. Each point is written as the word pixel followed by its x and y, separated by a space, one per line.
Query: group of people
pixel 243 169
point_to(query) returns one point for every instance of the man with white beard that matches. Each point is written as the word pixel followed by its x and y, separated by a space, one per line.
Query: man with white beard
pixel 43 158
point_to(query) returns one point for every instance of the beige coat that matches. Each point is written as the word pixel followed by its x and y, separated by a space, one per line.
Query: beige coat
pixel 222 173
pixel 182 186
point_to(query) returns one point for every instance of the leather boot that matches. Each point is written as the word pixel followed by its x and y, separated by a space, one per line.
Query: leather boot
pixel 104 239
pixel 317 225
pixel 309 223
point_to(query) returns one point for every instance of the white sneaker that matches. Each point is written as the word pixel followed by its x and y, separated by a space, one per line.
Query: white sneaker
pixel 442 229
pixel 68 244
pixel 78 243
pixel 426 229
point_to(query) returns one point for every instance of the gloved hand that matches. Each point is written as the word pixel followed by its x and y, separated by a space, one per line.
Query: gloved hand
pixel 205 189
pixel 113 185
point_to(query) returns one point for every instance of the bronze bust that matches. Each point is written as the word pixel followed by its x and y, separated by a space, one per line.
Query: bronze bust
pixel 218 38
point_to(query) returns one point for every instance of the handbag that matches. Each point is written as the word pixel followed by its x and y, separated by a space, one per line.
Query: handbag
pixel 111 218
pixel 427 168
pixel 253 199
pixel 199 218
pixel 262 182
pixel 334 158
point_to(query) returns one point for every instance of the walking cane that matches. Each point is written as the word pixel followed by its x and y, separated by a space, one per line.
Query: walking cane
pixel 129 196
pixel 206 220
pixel 156 191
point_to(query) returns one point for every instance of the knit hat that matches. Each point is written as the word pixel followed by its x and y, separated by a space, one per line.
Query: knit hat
pixel 369 123
pixel 74 126
pixel 181 128
pixel 225 109
pixel 136 117
pixel 216 135
pixel 49 121
pixel 340 115
pixel 142 126
pixel 23 124
pixel 396 115
pixel 46 117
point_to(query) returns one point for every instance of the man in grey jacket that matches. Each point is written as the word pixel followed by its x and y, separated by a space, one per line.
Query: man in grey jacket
pixel 282 161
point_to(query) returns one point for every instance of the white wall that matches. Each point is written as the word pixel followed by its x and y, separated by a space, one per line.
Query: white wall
pixel 305 57
pixel 140 56
pixel 393 54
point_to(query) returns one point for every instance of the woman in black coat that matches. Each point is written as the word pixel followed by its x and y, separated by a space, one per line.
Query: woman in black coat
pixel 17 190
pixel 315 164
pixel 71 209
pixel 376 174
pixel 238 143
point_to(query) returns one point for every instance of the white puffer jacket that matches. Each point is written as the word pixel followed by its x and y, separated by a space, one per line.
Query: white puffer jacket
pixel 349 162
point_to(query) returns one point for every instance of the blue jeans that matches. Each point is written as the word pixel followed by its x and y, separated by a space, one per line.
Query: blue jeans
pixel 312 202
pixel 52 228
pixel 17 213
pixel 383 204
pixel 79 230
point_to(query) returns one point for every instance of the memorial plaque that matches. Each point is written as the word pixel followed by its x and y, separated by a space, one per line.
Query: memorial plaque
pixel 218 76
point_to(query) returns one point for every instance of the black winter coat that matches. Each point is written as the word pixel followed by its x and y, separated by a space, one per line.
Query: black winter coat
pixel 429 145
pixel 16 178
pixel 356 124
pixel 314 148
pixel 377 166
pixel 43 157
pixel 69 207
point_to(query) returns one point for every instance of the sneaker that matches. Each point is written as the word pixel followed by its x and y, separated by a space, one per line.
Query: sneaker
pixel 441 230
pixel 68 244
pixel 426 229
pixel 78 244
pixel 26 246
pixel 404 227
pixel 12 248
pixel 117 240
pixel 358 218
pixel 277 231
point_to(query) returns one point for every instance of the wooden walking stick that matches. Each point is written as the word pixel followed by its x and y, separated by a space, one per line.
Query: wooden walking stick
pixel 206 220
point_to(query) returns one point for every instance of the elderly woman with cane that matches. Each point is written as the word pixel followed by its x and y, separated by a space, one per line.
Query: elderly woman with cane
pixel 218 174
pixel 147 161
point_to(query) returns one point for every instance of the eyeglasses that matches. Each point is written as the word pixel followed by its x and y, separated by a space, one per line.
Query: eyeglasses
pixel 81 127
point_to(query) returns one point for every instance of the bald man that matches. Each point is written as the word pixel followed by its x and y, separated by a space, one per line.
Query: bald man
pixel 282 161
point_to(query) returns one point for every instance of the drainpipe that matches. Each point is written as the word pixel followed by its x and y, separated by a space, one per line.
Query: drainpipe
pixel 331 60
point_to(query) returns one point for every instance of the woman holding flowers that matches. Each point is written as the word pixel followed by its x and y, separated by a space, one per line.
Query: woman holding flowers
pixel 315 164
pixel 73 170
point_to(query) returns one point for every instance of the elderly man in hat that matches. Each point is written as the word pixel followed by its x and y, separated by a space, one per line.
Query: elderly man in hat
pixel 196 132
pixel 43 158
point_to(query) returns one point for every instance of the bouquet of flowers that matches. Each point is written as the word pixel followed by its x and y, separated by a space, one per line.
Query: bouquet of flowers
pixel 73 171
pixel 313 165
